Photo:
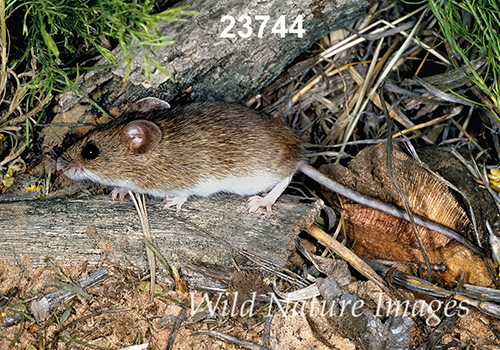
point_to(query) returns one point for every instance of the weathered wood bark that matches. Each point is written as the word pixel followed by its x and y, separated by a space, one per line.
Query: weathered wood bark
pixel 207 231
pixel 216 68
pixel 230 68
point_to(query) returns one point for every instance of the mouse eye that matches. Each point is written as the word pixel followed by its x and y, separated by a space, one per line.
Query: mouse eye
pixel 90 151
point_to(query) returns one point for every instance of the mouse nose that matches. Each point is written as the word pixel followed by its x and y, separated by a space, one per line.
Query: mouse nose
pixel 64 162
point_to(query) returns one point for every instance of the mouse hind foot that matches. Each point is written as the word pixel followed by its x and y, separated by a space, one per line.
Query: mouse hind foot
pixel 256 202
pixel 177 201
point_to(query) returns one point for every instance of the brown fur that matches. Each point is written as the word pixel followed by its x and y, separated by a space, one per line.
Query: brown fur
pixel 207 140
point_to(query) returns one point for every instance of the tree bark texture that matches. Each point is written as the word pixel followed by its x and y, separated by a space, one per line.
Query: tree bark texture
pixel 224 69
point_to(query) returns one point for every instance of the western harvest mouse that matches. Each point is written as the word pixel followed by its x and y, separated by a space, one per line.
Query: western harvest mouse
pixel 201 149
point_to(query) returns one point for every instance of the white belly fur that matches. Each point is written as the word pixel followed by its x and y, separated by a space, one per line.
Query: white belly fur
pixel 244 186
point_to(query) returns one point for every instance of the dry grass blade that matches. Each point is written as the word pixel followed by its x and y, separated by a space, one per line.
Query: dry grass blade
pixel 140 206
pixel 401 193
pixel 3 38
pixel 477 297
pixel 454 112
pixel 348 256
pixel 355 39
pixel 390 66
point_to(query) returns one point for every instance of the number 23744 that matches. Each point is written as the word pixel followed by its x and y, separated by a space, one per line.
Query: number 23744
pixel 247 27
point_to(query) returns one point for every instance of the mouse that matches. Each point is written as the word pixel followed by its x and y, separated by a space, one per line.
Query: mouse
pixel 198 149
pixel 201 149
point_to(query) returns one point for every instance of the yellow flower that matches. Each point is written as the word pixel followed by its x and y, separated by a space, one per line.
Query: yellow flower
pixel 8 179
pixel 32 188
pixel 494 177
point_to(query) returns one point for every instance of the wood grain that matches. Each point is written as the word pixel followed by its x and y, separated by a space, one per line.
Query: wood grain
pixel 206 231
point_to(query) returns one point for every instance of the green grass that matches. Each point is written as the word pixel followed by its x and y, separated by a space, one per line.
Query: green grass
pixel 472 29
pixel 57 33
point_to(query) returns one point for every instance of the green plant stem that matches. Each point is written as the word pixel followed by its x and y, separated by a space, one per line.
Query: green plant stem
pixel 468 40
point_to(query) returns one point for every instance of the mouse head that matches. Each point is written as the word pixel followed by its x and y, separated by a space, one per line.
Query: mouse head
pixel 105 153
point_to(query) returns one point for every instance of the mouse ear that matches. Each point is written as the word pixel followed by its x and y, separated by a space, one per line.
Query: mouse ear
pixel 150 104
pixel 141 136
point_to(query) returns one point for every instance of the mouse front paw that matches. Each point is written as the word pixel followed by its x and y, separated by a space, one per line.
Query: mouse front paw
pixel 256 202
pixel 119 193
pixel 177 201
